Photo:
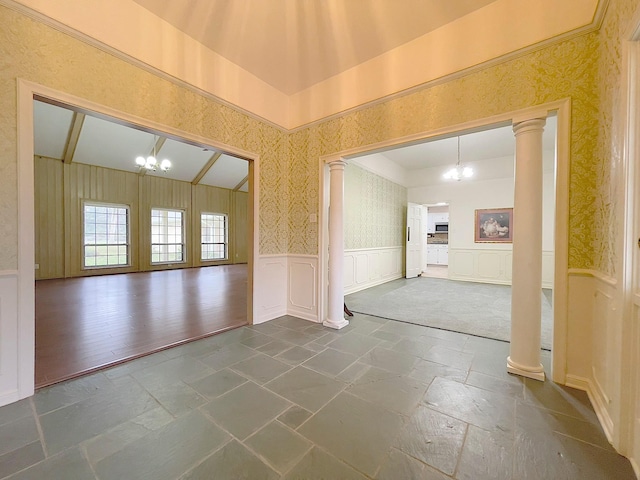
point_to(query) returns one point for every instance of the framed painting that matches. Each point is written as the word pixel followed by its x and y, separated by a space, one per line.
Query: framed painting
pixel 494 225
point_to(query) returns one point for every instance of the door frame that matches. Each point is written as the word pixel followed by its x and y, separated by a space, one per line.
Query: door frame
pixel 629 444
pixel 26 92
pixel 562 108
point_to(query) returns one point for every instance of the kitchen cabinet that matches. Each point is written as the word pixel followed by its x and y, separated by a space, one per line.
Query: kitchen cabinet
pixel 432 255
pixel 437 254
pixel 433 218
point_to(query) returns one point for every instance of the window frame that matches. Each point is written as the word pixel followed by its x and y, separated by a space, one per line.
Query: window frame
pixel 226 238
pixel 183 235
pixel 94 203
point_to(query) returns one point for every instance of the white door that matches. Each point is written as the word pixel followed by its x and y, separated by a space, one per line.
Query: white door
pixel 413 237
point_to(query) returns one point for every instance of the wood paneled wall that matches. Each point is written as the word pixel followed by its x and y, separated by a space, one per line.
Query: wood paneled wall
pixel 240 231
pixel 61 190
pixel 49 219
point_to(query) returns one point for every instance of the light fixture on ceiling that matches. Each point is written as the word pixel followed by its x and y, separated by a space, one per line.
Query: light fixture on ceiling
pixel 151 162
pixel 458 172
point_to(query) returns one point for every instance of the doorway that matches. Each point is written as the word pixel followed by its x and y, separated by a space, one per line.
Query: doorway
pixel 475 296
pixel 560 222
pixel 27 92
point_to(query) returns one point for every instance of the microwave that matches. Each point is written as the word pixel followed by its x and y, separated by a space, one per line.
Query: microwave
pixel 442 227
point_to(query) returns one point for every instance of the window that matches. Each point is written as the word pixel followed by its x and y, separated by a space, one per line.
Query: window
pixel 167 236
pixel 106 235
pixel 213 228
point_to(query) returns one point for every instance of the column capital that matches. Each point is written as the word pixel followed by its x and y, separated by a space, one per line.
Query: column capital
pixel 338 163
pixel 529 125
pixel 530 114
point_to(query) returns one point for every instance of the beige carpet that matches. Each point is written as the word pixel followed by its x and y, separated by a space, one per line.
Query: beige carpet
pixel 476 308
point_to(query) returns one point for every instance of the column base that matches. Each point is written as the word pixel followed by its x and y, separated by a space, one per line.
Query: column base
pixel 536 373
pixel 336 324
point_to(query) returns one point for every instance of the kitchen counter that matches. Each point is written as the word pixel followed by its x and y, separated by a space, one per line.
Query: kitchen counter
pixel 437 239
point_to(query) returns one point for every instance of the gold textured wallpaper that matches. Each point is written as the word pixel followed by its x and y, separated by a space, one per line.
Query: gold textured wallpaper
pixel 610 175
pixel 33 51
pixel 567 69
pixel 584 68
pixel 374 210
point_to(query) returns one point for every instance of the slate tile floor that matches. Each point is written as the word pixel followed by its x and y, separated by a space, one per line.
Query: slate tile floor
pixel 291 399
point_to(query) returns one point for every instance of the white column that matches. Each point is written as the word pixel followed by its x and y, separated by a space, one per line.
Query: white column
pixel 335 315
pixel 526 286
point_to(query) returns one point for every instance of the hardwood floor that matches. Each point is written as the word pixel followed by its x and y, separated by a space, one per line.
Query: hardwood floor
pixel 84 324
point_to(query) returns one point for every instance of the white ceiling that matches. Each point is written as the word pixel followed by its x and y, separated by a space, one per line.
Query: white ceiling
pixel 489 152
pixel 112 145
pixel 294 44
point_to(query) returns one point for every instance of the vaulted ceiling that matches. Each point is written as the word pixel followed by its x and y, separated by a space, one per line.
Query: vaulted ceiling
pixel 69 136
pixel 294 62
pixel 295 44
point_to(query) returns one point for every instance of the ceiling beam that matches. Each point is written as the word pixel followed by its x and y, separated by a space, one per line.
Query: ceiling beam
pixel 244 180
pixel 203 171
pixel 74 135
pixel 154 151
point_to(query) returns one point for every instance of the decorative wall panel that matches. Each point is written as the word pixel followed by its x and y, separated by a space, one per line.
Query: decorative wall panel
pixel 271 274
pixel 491 266
pixel 367 267
pixel 303 287
pixel 604 355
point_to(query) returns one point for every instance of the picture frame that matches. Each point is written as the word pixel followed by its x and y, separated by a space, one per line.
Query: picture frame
pixel 494 225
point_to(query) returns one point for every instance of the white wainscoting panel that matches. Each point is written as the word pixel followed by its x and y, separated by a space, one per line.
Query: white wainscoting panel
pixel 302 299
pixel 491 266
pixel 364 268
pixel 461 265
pixel 605 352
pixel 271 283
pixel 593 354
pixel 9 388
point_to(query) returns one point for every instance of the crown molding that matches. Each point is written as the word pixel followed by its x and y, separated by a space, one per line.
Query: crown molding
pixel 593 26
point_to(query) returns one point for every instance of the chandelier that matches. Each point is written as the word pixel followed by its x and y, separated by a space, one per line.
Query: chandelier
pixel 458 172
pixel 151 162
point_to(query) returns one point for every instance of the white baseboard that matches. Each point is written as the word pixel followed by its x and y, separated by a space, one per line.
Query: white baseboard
pixel 348 291
pixel 9 397
pixel 597 402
